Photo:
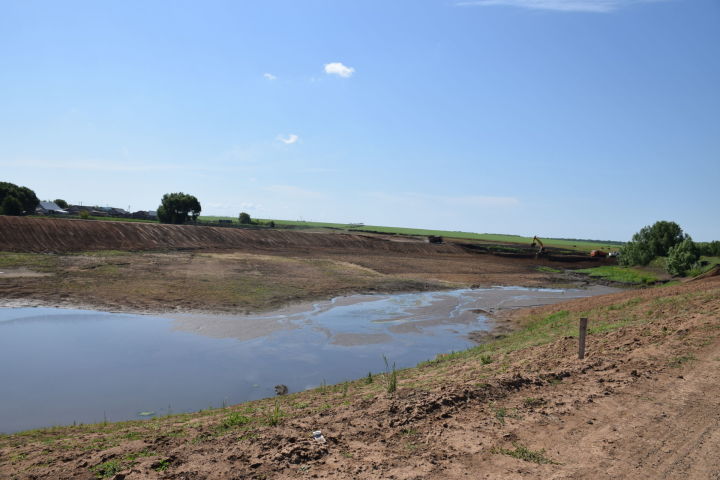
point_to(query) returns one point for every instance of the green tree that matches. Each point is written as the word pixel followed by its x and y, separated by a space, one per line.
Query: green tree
pixel 11 206
pixel 682 257
pixel 651 241
pixel 61 203
pixel 178 208
pixel 711 249
pixel 244 218
pixel 24 196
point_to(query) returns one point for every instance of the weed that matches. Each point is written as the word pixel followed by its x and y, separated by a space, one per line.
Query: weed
pixel 677 362
pixel 235 419
pixel 500 414
pixel 107 469
pixel 131 457
pixel 369 378
pixel 523 453
pixel 485 359
pixel 533 402
pixel 390 376
pixel 18 457
pixel 275 416
pixel 162 465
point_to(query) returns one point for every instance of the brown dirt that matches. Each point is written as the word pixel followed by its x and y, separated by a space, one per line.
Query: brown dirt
pixel 188 268
pixel 644 403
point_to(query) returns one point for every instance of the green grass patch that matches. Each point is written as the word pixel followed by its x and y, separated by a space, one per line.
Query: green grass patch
pixel 108 469
pixel 545 269
pixel 705 264
pixel 34 261
pixel 629 275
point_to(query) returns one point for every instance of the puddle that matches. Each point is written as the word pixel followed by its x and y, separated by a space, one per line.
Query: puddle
pixel 61 366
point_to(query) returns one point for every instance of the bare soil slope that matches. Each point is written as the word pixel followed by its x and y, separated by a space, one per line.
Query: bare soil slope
pixel 644 403
pixel 25 234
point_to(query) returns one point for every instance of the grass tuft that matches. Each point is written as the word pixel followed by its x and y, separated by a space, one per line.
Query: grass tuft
pixel 521 452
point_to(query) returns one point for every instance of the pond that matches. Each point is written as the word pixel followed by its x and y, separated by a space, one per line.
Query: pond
pixel 60 366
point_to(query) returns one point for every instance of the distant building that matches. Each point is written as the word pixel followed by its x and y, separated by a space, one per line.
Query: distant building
pixel 145 215
pixel 49 208
pixel 92 211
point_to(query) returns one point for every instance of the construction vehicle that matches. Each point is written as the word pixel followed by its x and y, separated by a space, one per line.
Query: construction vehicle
pixel 536 242
pixel 598 253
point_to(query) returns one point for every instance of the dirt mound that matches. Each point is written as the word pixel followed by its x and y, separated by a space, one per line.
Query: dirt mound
pixel 23 234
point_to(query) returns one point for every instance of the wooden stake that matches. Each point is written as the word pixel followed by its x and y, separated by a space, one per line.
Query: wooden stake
pixel 581 338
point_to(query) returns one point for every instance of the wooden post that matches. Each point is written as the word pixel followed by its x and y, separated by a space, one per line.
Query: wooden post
pixel 581 338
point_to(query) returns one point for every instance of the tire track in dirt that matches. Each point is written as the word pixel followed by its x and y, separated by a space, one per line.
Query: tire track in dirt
pixel 661 428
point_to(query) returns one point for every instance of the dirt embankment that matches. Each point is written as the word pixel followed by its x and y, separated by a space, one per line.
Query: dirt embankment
pixel 642 404
pixel 45 235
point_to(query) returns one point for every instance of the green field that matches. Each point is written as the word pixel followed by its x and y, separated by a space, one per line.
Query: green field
pixel 580 245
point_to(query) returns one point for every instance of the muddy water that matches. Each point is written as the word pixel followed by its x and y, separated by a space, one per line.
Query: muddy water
pixel 61 366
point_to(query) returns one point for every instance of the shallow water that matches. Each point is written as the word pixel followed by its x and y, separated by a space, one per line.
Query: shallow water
pixel 60 366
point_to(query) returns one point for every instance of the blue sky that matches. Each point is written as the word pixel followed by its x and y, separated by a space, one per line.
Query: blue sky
pixel 561 118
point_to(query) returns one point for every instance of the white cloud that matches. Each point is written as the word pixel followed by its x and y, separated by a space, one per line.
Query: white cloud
pixel 289 140
pixel 337 68
pixel 592 6
pixel 269 76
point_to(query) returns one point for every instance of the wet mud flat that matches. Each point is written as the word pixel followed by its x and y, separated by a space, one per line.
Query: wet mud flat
pixel 86 366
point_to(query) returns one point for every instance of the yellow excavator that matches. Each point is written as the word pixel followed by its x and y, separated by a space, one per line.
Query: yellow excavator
pixel 536 242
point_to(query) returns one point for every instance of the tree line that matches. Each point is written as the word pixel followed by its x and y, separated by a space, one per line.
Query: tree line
pixel 667 240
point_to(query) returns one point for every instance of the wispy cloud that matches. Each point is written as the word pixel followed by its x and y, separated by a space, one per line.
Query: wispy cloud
pixel 337 68
pixel 289 140
pixel 269 76
pixel 475 201
pixel 591 6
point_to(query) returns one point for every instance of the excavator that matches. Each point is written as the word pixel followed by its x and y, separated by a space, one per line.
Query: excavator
pixel 536 242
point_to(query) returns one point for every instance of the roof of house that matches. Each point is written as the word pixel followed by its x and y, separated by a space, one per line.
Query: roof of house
pixel 51 207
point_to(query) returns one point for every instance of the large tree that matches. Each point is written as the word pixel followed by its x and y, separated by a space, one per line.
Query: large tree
pixel 178 208
pixel 244 218
pixel 15 200
pixel 651 241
